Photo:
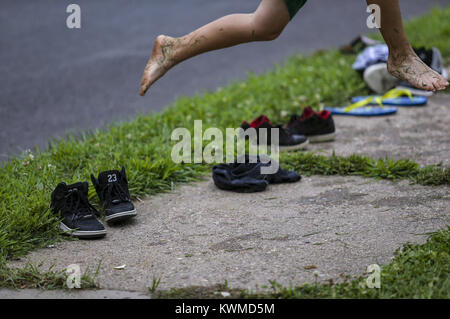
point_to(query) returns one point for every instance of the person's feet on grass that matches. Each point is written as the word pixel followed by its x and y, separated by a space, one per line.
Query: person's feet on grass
pixel 159 63
pixel 410 68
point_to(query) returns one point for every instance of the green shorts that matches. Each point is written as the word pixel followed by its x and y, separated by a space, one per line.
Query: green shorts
pixel 294 6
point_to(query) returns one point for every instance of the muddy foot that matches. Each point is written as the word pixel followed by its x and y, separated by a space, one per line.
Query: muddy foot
pixel 411 69
pixel 160 62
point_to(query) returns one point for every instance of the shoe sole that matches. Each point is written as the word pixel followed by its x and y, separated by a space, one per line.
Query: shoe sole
pixel 322 138
pixel 379 79
pixel 82 233
pixel 121 216
pixel 297 147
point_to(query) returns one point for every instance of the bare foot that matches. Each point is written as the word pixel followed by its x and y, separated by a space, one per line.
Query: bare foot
pixel 410 68
pixel 160 62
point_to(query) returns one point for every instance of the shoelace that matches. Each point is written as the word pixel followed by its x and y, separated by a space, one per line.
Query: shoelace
pixel 78 203
pixel 392 94
pixel 114 193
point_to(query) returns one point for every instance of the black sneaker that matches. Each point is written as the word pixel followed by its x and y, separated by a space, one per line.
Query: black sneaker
pixel 287 140
pixel 245 175
pixel 112 188
pixel 317 127
pixel 78 215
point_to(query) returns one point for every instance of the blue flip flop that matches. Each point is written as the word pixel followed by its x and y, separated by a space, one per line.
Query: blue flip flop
pixel 395 97
pixel 363 111
pixel 399 101
pixel 362 108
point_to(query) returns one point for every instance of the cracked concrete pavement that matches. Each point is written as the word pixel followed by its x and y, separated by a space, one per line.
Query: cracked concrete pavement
pixel 200 235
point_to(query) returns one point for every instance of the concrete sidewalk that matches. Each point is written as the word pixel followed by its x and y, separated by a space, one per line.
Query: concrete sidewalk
pixel 200 235
pixel 74 294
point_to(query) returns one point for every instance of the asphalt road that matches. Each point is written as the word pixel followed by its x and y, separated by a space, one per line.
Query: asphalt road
pixel 56 80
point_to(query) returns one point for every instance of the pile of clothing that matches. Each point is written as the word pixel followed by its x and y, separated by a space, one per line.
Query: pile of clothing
pixel 371 63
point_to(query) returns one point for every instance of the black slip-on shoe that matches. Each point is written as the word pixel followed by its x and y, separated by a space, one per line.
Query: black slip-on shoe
pixel 78 216
pixel 245 174
pixel 240 177
pixel 317 127
pixel 112 189
pixel 284 176
pixel 280 176
pixel 288 141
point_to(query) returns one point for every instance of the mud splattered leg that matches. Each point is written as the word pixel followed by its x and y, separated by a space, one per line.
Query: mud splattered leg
pixel 266 23
pixel 403 62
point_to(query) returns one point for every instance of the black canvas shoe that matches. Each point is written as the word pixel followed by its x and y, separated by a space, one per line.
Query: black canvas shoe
pixel 70 202
pixel 112 188
pixel 287 140
pixel 245 175
pixel 317 127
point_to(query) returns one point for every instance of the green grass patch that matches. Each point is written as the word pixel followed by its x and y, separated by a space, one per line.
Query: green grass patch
pixel 312 164
pixel 35 277
pixel 143 145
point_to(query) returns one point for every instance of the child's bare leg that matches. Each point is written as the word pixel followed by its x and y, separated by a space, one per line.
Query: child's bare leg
pixel 403 62
pixel 265 24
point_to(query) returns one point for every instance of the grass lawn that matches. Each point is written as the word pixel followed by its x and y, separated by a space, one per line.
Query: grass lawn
pixel 143 146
